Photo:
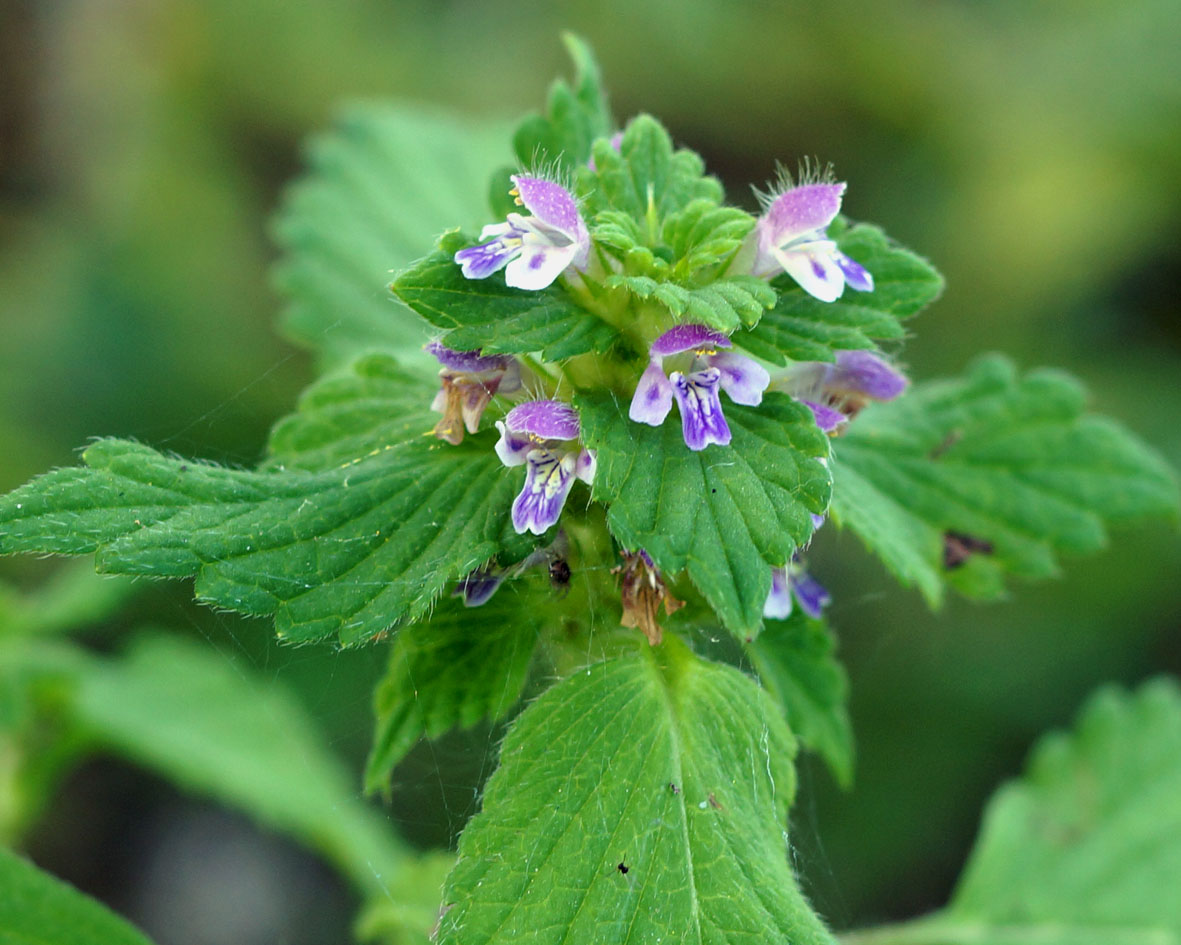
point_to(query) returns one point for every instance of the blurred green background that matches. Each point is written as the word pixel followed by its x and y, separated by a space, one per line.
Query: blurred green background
pixel 1031 150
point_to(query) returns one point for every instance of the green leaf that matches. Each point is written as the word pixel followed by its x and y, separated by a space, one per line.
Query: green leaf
pixel 703 234
pixel 411 909
pixel 1085 849
pixel 211 727
pixel 642 800
pixel 462 666
pixel 574 117
pixel 350 550
pixel 370 406
pixel 493 317
pixel 802 328
pixel 796 663
pixel 381 186
pixel 723 305
pixel 39 909
pixel 995 458
pixel 646 178
pixel 727 514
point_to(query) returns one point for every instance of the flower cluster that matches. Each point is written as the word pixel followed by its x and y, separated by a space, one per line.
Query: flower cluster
pixel 688 363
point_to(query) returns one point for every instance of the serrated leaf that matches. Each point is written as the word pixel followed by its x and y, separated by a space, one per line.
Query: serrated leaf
pixel 493 317
pixel 370 406
pixel 211 727
pixel 642 800
pixel 796 663
pixel 802 328
pixel 380 187
pixel 574 117
pixel 646 178
pixel 349 551
pixel 727 514
pixel 38 908
pixel 723 305
pixel 464 665
pixel 703 234
pixel 1085 849
pixel 1009 461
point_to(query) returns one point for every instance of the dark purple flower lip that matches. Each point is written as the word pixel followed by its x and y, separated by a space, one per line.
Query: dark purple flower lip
pixel 687 338
pixel 546 419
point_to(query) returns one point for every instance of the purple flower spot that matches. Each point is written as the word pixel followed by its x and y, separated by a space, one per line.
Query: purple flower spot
pixel 686 338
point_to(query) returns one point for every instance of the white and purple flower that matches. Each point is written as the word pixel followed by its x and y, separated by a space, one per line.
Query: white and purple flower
pixel 793 583
pixel 543 435
pixel 837 392
pixel 532 250
pixel 792 236
pixel 696 390
pixel 469 381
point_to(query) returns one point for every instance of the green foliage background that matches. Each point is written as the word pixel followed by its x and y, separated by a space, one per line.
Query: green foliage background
pixel 1033 152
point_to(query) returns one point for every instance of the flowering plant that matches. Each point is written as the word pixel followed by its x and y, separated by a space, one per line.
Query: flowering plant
pixel 496 485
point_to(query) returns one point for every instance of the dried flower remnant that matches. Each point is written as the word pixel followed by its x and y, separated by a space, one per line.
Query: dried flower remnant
pixel 543 436
pixel 696 391
pixel 792 236
pixel 642 591
pixel 469 382
pixel 533 250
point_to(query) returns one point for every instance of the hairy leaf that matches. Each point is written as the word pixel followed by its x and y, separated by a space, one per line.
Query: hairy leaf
pixel 802 328
pixel 1085 849
pixel 643 799
pixel 350 550
pixel 493 317
pixel 797 665
pixel 37 908
pixel 703 234
pixel 646 178
pixel 727 514
pixel 370 406
pixel 213 728
pixel 381 186
pixel 966 480
pixel 574 117
pixel 723 305
pixel 464 665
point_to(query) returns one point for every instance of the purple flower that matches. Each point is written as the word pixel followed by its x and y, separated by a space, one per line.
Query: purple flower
pixel 543 436
pixel 696 391
pixel 791 582
pixel 470 380
pixel 837 392
pixel 792 236
pixel 535 249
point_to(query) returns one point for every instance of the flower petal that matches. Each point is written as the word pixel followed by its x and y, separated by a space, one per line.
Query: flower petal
pixel 864 372
pixel 548 419
pixel 778 605
pixel 512 447
pixel 802 211
pixel 856 276
pixel 547 483
pixel 812 597
pixel 742 378
pixel 479 262
pixel 812 265
pixel 538 265
pixel 479 585
pixel 687 338
pixel 702 421
pixel 551 203
pixel 468 362
pixel 653 398
pixel 585 466
pixel 827 418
